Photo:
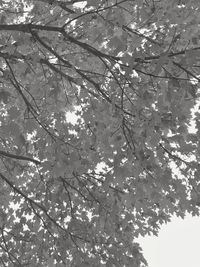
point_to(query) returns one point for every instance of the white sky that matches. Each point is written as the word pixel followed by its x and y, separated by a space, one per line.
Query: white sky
pixel 177 244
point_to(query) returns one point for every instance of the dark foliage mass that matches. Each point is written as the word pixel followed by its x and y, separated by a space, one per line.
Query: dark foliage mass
pixel 77 193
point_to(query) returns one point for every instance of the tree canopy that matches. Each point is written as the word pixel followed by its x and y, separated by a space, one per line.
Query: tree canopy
pixel 79 193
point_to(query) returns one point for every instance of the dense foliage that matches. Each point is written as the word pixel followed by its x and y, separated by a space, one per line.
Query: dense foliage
pixel 79 193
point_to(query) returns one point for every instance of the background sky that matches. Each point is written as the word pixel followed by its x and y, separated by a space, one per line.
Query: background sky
pixel 177 244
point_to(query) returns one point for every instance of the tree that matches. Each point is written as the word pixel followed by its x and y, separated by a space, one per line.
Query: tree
pixel 80 193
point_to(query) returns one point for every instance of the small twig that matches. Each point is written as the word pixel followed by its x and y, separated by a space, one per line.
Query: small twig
pixel 173 156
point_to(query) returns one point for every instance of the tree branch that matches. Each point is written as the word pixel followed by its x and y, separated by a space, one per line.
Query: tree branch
pixel 173 156
pixel 29 200
pixel 13 156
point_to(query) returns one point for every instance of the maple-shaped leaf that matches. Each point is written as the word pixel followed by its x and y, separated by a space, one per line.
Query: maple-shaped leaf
pixel 4 96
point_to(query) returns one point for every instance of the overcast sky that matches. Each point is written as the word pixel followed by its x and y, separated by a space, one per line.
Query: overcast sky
pixel 177 244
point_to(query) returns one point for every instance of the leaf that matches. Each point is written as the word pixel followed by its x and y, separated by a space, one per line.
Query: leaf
pixel 154 140
pixel 192 56
pixel 163 59
pixel 4 96
pixel 50 262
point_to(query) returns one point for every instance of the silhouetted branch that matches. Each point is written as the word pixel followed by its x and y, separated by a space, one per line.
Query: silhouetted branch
pixel 13 156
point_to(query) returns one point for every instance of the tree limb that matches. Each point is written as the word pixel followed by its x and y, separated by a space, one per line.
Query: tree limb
pixel 13 156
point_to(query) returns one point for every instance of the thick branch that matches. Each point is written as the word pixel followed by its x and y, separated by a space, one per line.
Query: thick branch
pixel 9 155
pixel 28 28
pixel 51 50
